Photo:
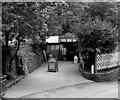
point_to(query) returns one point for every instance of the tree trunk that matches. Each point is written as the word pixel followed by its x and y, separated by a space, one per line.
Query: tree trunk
pixel 15 53
pixel 6 52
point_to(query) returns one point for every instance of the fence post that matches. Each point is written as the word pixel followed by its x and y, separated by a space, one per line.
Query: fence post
pixel 96 63
pixel 83 65
pixel 92 69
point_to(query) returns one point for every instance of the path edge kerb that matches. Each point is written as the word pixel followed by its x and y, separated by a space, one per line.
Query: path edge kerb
pixel 100 77
pixel 9 85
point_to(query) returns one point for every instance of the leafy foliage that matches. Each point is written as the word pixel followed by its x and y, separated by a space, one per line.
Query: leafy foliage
pixel 98 34
pixel 21 20
pixel 94 23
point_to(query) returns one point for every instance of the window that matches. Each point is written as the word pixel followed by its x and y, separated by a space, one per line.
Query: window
pixel 52 47
pixel 57 47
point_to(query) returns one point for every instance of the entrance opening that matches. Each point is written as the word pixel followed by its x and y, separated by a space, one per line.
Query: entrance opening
pixel 71 51
pixel 63 51
pixel 63 47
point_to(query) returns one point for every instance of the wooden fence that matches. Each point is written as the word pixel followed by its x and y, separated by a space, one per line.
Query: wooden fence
pixel 105 61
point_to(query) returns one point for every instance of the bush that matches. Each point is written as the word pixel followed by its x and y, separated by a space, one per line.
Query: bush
pixel 96 37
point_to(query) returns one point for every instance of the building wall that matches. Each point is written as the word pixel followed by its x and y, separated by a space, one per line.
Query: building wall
pixel 55 49
pixel 60 51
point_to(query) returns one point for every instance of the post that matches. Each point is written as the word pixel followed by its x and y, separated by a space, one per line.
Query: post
pixel 45 56
pixel 26 70
pixel 96 63
pixel 83 65
pixel 92 69
pixel 75 59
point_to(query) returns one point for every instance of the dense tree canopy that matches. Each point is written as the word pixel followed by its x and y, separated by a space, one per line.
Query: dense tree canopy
pixel 99 34
pixel 96 24
pixel 21 20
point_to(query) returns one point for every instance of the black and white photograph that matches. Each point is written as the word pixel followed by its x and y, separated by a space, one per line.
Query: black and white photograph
pixel 59 49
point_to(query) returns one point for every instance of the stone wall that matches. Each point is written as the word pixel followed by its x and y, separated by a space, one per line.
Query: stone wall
pixel 101 77
pixel 30 59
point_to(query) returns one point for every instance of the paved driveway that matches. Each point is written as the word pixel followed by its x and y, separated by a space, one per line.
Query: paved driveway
pixel 67 83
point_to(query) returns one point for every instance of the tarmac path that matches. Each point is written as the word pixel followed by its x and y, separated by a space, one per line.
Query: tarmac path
pixel 66 83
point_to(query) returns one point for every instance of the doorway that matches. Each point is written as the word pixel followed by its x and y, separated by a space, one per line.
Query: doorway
pixel 71 51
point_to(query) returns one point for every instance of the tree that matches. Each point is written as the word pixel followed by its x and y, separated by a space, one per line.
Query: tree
pixel 97 34
pixel 20 20
pixel 93 23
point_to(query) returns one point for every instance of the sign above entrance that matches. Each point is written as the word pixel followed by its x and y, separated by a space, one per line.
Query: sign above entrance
pixel 74 40
pixel 53 39
pixel 62 40
pixel 68 37
pixel 69 40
